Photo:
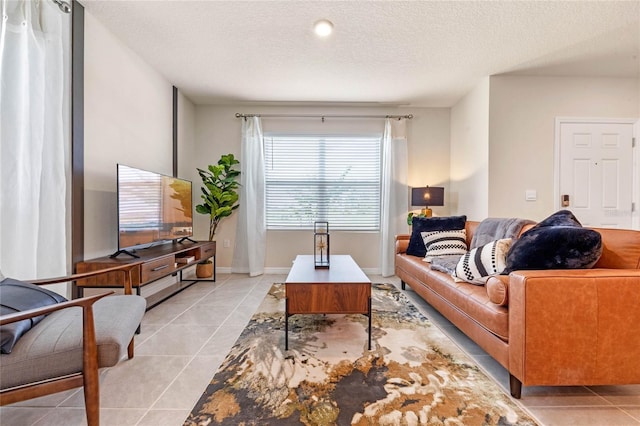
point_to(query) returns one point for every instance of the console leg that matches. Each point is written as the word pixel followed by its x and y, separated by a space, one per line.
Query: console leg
pixel 403 284
pixel 516 386
pixel 370 314
pixel 286 324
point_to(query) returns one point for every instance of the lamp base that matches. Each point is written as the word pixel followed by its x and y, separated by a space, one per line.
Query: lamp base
pixel 427 212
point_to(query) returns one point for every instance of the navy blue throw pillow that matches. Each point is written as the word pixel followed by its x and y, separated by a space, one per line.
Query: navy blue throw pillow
pixel 561 217
pixel 18 296
pixel 558 242
pixel 427 224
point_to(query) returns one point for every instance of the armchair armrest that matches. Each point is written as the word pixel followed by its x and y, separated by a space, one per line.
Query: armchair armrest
pixel 84 303
pixel 88 377
pixel 125 269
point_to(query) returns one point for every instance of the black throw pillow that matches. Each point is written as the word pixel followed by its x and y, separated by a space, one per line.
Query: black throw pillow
pixel 427 224
pixel 18 296
pixel 561 217
pixel 558 242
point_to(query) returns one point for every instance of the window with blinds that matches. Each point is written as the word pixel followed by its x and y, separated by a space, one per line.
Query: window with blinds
pixel 332 178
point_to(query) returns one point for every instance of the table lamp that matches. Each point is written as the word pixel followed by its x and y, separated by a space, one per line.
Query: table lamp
pixel 427 196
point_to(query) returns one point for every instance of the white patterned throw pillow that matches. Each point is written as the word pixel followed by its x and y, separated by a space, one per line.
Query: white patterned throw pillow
pixel 482 262
pixel 443 243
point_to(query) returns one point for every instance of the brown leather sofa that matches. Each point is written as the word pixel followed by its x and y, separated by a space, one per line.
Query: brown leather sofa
pixel 547 327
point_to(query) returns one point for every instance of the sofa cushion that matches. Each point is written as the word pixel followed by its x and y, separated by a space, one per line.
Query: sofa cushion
pixel 425 224
pixel 558 242
pixel 482 262
pixel 441 290
pixel 443 243
pixel 18 296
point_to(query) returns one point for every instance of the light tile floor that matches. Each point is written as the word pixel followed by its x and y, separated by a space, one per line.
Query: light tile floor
pixel 184 340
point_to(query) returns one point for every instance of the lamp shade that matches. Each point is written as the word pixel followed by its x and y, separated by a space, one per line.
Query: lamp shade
pixel 427 196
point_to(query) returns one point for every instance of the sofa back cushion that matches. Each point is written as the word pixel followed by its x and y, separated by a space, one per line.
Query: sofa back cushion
pixel 620 249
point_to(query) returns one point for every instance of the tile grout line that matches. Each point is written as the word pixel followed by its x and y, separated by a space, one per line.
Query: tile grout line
pixel 148 409
pixel 199 350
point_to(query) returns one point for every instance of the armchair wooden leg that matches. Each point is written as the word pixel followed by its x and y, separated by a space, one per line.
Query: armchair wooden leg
pixel 90 377
pixel 130 349
pixel 92 397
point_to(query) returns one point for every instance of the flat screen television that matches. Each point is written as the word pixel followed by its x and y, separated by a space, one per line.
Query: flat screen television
pixel 151 208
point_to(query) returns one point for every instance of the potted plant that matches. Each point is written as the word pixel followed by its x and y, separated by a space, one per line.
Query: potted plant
pixel 219 199
pixel 411 215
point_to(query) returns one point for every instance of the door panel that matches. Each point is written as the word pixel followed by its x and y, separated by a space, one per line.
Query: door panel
pixel 596 169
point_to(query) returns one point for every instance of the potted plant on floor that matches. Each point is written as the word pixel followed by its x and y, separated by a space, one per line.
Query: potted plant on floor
pixel 219 199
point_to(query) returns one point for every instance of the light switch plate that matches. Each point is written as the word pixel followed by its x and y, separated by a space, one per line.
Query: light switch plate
pixel 530 195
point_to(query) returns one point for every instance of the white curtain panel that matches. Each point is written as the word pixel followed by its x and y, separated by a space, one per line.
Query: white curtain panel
pixel 395 196
pixel 33 139
pixel 251 233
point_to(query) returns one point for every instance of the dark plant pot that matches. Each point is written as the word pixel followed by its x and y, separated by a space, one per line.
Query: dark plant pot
pixel 204 270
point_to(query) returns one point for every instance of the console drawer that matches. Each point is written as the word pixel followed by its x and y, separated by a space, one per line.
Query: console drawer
pixel 208 250
pixel 157 268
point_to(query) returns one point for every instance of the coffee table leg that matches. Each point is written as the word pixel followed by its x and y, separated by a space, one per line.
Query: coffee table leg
pixel 369 322
pixel 286 324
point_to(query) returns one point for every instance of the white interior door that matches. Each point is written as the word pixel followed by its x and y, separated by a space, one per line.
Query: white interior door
pixel 596 172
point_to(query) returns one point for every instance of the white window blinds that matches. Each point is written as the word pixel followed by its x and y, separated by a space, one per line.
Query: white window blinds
pixel 332 178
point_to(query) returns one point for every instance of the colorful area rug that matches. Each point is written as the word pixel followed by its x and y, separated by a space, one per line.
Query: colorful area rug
pixel 413 375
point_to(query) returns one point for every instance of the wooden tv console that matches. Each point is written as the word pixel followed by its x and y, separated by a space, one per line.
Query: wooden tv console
pixel 154 263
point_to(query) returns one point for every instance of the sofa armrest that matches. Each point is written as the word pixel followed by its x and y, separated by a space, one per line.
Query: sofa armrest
pixel 402 242
pixel 574 326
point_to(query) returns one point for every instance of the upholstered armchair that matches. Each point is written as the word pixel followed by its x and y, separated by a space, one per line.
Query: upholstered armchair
pixel 67 347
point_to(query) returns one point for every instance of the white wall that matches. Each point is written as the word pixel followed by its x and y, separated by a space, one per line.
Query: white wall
pixel 218 132
pixel 521 133
pixel 128 119
pixel 429 152
pixel 470 154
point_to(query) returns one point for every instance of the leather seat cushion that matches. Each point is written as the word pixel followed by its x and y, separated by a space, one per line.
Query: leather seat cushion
pixel 468 298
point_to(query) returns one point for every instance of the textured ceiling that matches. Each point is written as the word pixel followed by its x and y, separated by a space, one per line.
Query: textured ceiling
pixel 421 53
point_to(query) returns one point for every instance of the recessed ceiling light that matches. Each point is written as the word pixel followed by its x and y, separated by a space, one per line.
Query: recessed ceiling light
pixel 323 27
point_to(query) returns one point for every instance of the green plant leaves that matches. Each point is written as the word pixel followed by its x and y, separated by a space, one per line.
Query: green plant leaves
pixel 219 191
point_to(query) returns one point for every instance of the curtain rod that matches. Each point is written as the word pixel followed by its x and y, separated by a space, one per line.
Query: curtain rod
pixel 323 116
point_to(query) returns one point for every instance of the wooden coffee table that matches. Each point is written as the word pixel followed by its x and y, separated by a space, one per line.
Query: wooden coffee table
pixel 341 289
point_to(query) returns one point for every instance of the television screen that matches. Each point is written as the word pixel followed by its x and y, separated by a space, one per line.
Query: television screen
pixel 152 207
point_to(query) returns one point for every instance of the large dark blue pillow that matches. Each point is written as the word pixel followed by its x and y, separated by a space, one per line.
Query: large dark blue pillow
pixel 558 242
pixel 427 224
pixel 561 217
pixel 18 296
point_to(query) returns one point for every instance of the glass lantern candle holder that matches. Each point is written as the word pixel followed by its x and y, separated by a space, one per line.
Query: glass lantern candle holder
pixel 321 245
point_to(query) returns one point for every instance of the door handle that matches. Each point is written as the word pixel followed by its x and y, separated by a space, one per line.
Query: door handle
pixel 565 200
